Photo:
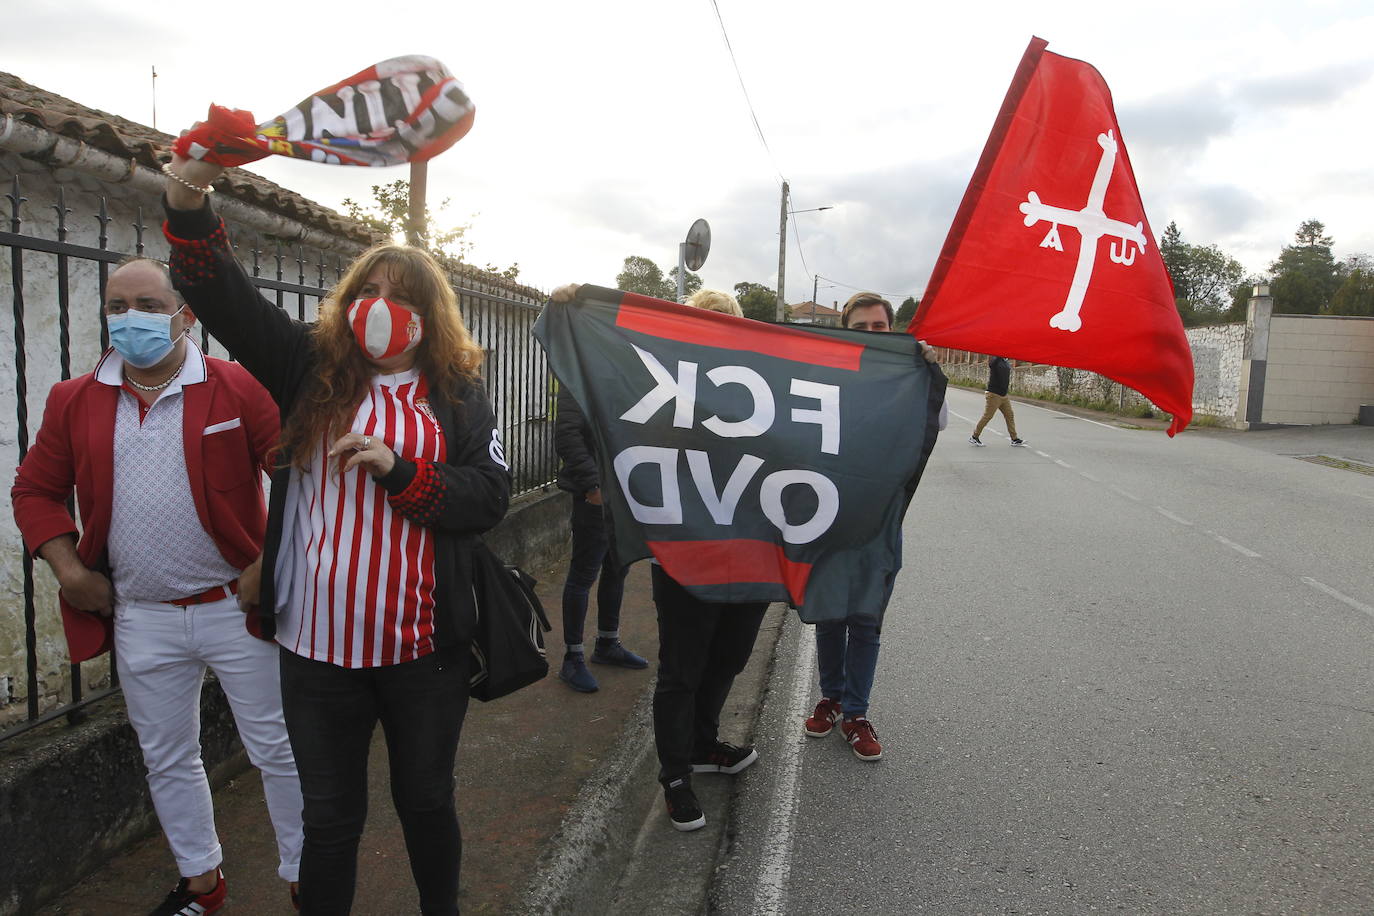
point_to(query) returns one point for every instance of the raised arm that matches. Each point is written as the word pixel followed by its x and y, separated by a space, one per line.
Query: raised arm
pixel 264 338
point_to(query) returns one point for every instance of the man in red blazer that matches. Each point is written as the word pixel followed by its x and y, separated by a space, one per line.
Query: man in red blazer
pixel 165 449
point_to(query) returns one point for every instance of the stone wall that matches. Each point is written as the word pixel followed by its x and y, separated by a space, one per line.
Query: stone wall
pixel 1218 355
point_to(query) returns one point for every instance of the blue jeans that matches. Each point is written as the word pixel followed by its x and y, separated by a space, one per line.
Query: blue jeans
pixel 847 655
pixel 330 715
pixel 591 559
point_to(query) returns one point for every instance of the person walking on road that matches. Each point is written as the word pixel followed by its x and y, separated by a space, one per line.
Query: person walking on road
pixel 999 383
pixel 593 559
pixel 847 649
pixel 164 448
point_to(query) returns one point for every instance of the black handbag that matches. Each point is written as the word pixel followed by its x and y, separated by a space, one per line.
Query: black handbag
pixel 508 639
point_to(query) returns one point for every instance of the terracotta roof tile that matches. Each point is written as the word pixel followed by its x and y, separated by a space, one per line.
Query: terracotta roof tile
pixel 121 137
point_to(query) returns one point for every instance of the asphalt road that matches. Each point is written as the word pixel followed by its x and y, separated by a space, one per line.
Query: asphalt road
pixel 1120 673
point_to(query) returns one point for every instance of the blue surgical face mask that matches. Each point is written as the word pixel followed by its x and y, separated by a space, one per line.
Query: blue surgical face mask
pixel 142 338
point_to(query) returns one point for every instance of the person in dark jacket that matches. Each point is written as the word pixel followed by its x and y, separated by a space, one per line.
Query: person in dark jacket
pixel 390 463
pixel 592 560
pixel 999 383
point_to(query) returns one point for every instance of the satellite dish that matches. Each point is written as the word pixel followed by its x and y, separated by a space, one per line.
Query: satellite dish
pixel 698 244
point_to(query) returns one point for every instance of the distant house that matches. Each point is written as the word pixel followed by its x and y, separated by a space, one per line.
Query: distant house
pixel 813 313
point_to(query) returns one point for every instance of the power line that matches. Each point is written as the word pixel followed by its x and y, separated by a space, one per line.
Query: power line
pixel 865 289
pixel 802 254
pixel 745 90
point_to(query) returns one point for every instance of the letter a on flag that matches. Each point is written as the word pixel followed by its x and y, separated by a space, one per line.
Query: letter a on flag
pixel 1050 257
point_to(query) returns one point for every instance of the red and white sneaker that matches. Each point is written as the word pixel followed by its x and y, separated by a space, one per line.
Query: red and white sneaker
pixel 183 901
pixel 824 718
pixel 863 740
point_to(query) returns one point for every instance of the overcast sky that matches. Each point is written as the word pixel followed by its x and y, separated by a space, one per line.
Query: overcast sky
pixel 604 129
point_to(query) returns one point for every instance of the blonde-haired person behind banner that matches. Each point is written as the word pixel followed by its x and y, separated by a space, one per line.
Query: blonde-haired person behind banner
pixel 702 646
pixel 390 463
pixel 714 300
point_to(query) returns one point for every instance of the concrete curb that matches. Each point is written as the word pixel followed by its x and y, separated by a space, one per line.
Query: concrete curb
pixel 615 851
pixel 590 846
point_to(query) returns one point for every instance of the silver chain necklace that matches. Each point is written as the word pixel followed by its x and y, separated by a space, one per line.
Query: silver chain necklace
pixel 171 378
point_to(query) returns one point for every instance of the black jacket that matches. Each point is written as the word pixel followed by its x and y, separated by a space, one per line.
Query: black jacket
pixel 999 376
pixel 572 439
pixel 472 488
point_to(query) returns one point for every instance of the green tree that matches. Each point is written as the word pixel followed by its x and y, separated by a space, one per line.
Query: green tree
pixel 389 214
pixel 1355 295
pixel 906 312
pixel 689 286
pixel 1240 297
pixel 643 276
pixel 1204 277
pixel 1306 275
pixel 757 301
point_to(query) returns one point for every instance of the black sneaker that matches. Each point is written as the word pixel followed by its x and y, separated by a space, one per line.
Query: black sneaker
pixel 182 901
pixel 683 808
pixel 724 758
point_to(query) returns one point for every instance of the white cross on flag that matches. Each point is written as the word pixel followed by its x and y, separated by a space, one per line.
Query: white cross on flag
pixel 1051 258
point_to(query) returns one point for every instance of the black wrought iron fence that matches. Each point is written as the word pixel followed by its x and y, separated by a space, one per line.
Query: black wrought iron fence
pixel 517 376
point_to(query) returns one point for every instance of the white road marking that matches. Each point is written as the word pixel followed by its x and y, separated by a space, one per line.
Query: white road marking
pixel 770 898
pixel 1042 454
pixel 1120 492
pixel 1236 547
pixel 1322 587
pixel 1089 476
pixel 1169 515
pixel 1063 464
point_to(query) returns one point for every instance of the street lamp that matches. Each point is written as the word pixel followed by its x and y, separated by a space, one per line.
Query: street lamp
pixel 782 247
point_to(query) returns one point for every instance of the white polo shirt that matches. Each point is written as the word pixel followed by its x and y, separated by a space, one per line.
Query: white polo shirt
pixel 158 549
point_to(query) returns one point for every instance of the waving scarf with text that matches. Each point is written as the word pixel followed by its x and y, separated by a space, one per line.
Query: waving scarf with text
pixel 406 109
pixel 755 462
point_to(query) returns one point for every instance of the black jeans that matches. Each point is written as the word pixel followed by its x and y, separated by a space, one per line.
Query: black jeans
pixel 330 715
pixel 701 647
pixel 591 555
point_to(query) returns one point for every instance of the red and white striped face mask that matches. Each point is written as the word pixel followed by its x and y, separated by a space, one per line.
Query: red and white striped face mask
pixel 384 329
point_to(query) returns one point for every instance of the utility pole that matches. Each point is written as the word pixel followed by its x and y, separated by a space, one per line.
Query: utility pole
pixel 415 223
pixel 815 287
pixel 154 96
pixel 782 254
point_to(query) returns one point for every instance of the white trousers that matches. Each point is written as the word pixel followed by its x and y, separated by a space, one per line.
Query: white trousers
pixel 163 651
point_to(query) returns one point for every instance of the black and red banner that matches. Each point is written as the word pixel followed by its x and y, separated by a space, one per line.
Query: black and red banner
pixel 755 462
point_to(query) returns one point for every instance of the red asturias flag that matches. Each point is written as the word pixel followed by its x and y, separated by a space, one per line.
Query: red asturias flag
pixel 1050 257
pixel 406 109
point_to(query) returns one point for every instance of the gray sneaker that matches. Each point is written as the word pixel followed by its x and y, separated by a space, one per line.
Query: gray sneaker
pixel 1018 443
pixel 974 440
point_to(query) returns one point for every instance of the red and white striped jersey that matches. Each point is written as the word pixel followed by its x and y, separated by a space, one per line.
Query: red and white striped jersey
pixel 363 575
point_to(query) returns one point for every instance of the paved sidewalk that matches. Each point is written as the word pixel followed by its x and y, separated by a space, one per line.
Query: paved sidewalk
pixel 521 763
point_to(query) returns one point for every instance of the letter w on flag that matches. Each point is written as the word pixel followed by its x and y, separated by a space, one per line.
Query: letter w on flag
pixel 1050 257
pixel 755 462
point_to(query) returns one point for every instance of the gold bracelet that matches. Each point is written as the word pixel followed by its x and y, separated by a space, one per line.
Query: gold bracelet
pixel 167 170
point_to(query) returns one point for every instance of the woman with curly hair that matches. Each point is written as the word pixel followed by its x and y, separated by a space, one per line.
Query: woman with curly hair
pixel 390 463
